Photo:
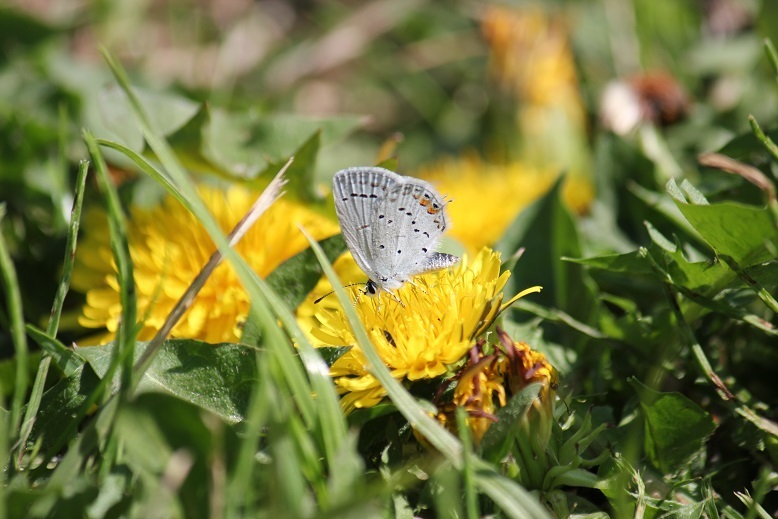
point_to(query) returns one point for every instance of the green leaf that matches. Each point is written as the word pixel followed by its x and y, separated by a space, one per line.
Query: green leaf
pixel 19 28
pixel 168 112
pixel 747 148
pixel 362 416
pixel 500 436
pixel 298 275
pixel 241 141
pixel 350 471
pixel 548 233
pixel 187 141
pixel 60 404
pixel 155 430
pixel 745 233
pixel 65 359
pixel 676 429
pixel 331 354
pixel 301 174
pixel 114 488
pixel 214 377
pixel 632 263
pixel 391 164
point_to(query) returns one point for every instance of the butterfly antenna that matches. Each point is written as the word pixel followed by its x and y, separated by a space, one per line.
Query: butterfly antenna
pixel 322 297
pixel 332 292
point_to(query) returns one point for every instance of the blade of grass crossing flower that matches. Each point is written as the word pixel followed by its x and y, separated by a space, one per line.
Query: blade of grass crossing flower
pixel 331 420
pixel 182 184
pixel 265 200
pixel 56 309
pixel 147 168
pixel 413 412
pixel 19 339
pixel 70 250
pixel 125 337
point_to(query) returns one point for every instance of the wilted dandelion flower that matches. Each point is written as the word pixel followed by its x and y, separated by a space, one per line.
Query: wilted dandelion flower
pixel 168 247
pixel 443 311
pixel 488 381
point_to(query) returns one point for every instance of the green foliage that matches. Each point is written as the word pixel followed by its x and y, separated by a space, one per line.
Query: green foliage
pixel 658 306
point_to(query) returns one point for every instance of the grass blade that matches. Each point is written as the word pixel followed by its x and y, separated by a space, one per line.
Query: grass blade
pixel 14 303
pixel 125 336
pixel 56 308
pixel 416 416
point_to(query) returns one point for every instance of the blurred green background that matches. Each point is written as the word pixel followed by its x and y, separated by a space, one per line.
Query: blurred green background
pixel 620 95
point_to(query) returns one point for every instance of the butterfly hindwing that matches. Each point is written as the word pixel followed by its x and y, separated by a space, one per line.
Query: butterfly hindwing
pixel 409 222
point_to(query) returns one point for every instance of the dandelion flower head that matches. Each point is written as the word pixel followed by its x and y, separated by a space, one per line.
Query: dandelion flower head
pixel 433 328
pixel 168 247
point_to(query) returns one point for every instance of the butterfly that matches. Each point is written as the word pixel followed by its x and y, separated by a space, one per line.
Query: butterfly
pixel 391 224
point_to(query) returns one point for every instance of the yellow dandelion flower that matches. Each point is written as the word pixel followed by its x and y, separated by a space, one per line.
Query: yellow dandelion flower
pixel 432 330
pixel 488 381
pixel 348 272
pixel 168 247
pixel 498 192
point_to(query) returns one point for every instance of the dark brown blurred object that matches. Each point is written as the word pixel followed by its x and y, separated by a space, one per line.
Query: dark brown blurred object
pixel 662 99
pixel 655 97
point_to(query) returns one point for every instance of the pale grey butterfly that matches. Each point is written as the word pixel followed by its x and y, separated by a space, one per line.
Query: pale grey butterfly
pixel 391 224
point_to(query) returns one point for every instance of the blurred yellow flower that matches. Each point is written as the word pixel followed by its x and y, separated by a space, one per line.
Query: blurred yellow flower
pixel 443 311
pixel 168 247
pixel 488 381
pixel 531 56
pixel 486 197
pixel 532 59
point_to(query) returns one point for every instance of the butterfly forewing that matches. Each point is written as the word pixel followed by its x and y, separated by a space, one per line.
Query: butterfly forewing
pixel 356 192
